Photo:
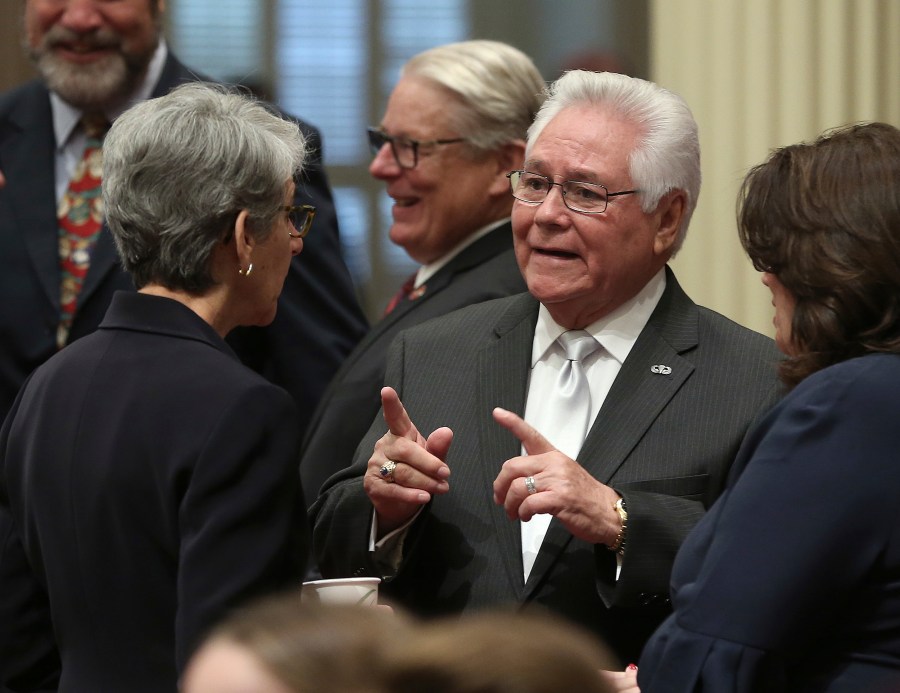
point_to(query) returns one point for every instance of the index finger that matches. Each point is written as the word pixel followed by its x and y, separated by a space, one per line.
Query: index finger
pixel 528 435
pixel 395 415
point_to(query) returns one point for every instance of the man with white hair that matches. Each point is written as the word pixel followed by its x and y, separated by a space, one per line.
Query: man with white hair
pixel 554 448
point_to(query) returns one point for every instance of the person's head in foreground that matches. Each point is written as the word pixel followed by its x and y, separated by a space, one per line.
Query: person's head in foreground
pixel 198 191
pixel 499 652
pixel 454 125
pixel 282 646
pixel 610 181
pixel 821 221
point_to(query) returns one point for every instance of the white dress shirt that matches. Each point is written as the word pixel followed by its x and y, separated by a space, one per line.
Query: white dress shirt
pixel 616 332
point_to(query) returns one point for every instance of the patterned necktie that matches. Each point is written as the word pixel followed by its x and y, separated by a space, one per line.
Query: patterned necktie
pixel 401 294
pixel 80 215
pixel 564 421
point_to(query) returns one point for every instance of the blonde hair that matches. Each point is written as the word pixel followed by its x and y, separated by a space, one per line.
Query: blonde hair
pixel 498 87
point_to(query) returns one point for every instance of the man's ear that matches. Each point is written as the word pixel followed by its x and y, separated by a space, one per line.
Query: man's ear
pixel 508 157
pixel 670 212
pixel 244 241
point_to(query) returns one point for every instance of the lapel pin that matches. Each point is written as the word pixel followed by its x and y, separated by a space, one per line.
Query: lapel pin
pixel 661 369
pixel 417 293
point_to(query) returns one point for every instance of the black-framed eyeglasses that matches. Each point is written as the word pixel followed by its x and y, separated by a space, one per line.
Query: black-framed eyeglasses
pixel 579 196
pixel 404 149
pixel 301 218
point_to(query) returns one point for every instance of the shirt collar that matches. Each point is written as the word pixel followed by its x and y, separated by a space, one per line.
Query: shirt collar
pixel 617 331
pixel 426 272
pixel 66 117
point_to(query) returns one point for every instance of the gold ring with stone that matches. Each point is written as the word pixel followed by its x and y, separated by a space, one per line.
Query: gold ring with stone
pixel 387 471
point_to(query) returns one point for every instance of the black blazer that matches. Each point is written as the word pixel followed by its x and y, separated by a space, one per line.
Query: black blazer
pixel 148 482
pixel 318 322
pixel 665 442
pixel 791 583
pixel 485 270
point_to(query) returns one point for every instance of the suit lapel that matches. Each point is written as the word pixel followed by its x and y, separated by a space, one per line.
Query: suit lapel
pixel 500 368
pixel 482 250
pixel 27 156
pixel 635 399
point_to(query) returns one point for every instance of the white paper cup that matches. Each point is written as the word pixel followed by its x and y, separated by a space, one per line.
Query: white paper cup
pixel 358 590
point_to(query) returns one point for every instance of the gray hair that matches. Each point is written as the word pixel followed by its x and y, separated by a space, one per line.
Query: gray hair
pixel 667 156
pixel 498 87
pixel 177 170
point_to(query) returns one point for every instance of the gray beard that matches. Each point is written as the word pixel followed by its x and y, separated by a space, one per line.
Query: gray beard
pixel 93 86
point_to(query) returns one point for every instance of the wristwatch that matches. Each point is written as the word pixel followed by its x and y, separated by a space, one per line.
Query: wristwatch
pixel 619 544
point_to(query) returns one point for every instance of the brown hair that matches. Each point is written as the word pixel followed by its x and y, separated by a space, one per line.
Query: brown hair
pixel 824 217
pixel 313 647
pixel 497 652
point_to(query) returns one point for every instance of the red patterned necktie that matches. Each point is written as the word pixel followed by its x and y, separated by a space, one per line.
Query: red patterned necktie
pixel 80 215
pixel 404 291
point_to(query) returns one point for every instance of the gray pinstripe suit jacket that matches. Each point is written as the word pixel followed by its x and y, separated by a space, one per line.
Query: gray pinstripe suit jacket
pixel 665 442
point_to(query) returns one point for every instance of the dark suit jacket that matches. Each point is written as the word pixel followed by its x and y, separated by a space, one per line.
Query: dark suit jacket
pixel 318 322
pixel 792 581
pixel 665 442
pixel 486 269
pixel 148 482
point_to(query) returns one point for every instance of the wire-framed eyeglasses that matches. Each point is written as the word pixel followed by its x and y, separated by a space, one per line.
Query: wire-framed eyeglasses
pixel 301 218
pixel 579 196
pixel 404 149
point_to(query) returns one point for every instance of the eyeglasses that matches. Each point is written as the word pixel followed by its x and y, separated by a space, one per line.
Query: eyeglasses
pixel 587 198
pixel 301 218
pixel 404 149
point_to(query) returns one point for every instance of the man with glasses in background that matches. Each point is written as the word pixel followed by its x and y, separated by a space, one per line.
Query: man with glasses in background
pixel 454 126
pixel 554 448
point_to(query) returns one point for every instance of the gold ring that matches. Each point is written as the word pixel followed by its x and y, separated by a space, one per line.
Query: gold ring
pixel 387 471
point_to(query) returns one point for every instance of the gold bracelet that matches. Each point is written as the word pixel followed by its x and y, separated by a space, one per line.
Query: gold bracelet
pixel 619 544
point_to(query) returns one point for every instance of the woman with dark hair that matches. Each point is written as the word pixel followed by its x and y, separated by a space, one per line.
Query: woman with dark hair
pixel 791 582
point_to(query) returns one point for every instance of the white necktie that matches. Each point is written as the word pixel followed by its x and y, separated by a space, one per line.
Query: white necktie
pixel 564 421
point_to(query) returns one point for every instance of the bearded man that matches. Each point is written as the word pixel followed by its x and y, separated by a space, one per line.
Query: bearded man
pixel 96 58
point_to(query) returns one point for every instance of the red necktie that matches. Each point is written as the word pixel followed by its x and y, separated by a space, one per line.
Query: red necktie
pixel 80 215
pixel 404 292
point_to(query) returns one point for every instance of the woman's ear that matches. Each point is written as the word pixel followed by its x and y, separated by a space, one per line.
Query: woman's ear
pixel 244 241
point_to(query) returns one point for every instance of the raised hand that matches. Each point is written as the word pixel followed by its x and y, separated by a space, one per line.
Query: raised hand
pixel 560 486
pixel 406 468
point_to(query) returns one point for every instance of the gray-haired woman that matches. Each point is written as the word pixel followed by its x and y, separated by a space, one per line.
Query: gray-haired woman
pixel 147 478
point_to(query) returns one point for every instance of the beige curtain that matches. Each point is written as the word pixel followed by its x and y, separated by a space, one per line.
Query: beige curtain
pixel 760 75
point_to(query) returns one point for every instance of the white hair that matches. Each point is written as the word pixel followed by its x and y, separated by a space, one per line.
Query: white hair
pixel 499 88
pixel 667 155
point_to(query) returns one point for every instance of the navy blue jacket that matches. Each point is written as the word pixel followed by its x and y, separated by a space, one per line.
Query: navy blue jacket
pixel 791 582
